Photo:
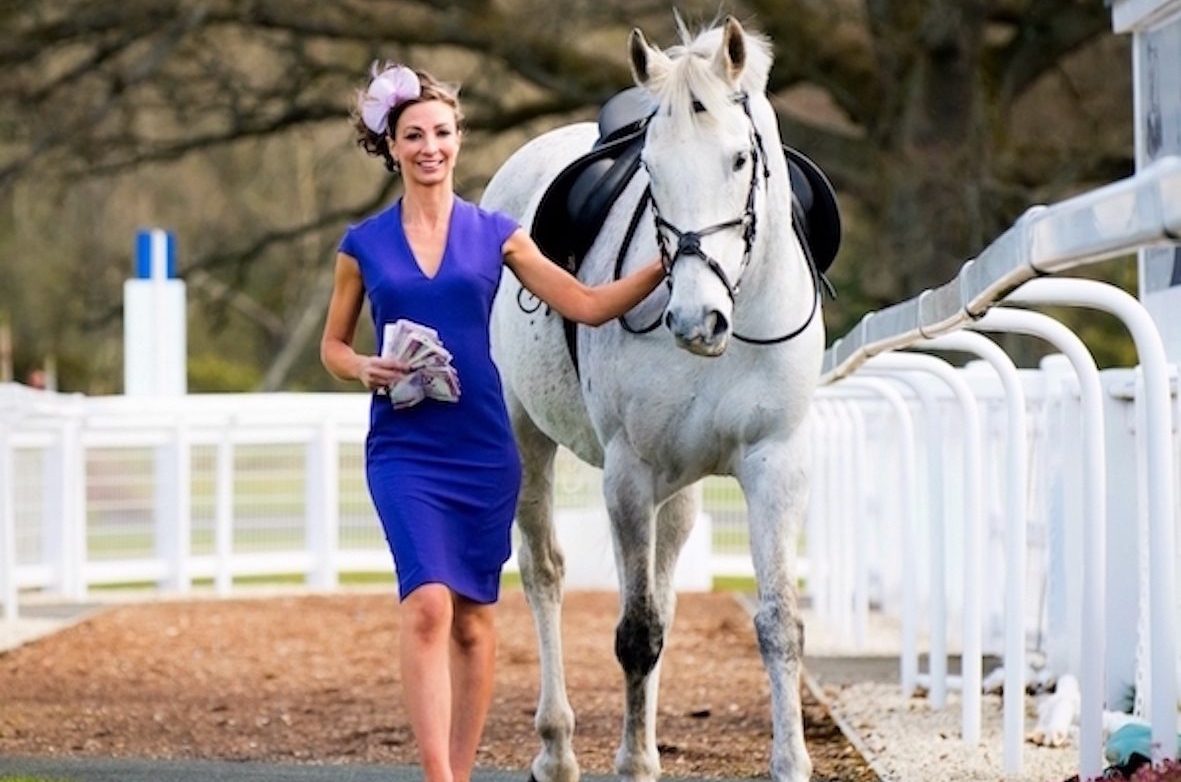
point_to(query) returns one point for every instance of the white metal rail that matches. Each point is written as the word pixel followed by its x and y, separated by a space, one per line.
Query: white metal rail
pixel 1094 609
pixel 1117 219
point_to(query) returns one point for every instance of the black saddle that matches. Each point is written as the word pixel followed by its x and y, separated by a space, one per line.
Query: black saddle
pixel 575 205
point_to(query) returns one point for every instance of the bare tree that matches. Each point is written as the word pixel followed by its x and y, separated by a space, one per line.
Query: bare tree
pixel 224 119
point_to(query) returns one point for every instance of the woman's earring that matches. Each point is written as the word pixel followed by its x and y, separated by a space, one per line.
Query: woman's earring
pixel 395 167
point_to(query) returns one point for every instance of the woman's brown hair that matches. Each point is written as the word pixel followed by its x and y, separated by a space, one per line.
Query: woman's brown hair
pixel 375 143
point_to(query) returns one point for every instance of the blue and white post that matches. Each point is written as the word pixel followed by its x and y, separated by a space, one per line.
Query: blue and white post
pixel 154 364
pixel 154 348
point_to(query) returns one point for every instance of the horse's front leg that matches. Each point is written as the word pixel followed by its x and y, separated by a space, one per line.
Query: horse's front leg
pixel 639 636
pixel 542 570
pixel 775 483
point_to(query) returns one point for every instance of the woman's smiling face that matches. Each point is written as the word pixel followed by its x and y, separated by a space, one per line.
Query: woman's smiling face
pixel 426 142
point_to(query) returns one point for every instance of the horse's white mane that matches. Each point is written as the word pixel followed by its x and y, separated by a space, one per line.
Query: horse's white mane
pixel 691 76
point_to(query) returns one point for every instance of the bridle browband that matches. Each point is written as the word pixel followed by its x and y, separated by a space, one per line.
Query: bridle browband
pixel 688 243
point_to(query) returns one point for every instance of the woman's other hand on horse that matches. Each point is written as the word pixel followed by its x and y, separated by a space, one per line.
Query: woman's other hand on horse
pixel 376 372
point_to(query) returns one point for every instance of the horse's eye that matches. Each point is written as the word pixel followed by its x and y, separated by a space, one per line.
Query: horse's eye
pixel 739 161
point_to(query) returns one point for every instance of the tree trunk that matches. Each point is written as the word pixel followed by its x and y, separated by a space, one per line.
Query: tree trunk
pixel 933 143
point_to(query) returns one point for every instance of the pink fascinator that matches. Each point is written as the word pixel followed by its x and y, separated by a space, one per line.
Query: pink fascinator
pixel 393 86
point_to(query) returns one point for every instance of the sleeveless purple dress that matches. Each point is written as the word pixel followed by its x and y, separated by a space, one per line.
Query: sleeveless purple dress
pixel 444 476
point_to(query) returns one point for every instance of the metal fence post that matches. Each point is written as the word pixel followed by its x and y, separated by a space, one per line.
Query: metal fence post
pixel 8 590
pixel 936 534
pixel 815 526
pixel 1159 474
pixel 223 512
pixel 323 505
pixel 972 544
pixel 1094 608
pixel 72 525
pixel 858 516
pixel 1015 528
pixel 173 508
pixel 908 540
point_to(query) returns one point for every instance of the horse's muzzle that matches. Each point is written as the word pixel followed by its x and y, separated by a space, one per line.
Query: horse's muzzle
pixel 706 335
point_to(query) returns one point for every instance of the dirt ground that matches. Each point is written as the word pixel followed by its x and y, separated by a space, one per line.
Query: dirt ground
pixel 315 679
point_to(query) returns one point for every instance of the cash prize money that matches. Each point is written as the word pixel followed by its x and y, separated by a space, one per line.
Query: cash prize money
pixel 420 348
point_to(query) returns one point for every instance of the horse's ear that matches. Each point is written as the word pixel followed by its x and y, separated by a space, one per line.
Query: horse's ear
pixel 731 56
pixel 646 61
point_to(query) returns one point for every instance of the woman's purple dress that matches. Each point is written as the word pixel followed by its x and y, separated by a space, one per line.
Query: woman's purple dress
pixel 444 476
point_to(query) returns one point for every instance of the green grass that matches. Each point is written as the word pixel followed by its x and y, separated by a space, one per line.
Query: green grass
pixel 723 494
pixel 30 779
pixel 720 583
pixel 281 579
pixel 509 580
pixel 106 545
pixel 270 481
pixel 365 579
pixel 734 584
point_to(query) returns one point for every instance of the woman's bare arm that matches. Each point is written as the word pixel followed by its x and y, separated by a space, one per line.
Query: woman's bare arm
pixel 593 305
pixel 340 327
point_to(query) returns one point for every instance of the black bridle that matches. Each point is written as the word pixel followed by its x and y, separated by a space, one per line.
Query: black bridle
pixel 688 243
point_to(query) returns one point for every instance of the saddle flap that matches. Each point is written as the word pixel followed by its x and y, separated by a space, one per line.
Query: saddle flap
pixel 817 201
pixel 573 208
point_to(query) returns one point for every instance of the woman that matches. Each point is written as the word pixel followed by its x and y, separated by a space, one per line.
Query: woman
pixel 443 475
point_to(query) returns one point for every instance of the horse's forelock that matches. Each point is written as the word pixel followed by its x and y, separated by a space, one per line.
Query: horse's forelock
pixel 691 77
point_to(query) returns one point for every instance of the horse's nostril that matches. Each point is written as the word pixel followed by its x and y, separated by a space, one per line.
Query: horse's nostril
pixel 720 324
pixel 668 320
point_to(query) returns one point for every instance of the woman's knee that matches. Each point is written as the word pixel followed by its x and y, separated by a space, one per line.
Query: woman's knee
pixel 473 625
pixel 427 611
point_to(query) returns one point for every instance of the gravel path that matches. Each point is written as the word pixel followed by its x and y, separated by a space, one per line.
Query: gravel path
pixel 904 739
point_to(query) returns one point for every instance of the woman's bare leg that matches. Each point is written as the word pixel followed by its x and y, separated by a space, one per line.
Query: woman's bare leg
pixel 473 658
pixel 427 621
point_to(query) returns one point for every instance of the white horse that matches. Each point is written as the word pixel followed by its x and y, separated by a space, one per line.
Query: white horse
pixel 658 419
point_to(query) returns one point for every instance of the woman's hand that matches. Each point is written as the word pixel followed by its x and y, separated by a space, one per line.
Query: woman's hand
pixel 376 372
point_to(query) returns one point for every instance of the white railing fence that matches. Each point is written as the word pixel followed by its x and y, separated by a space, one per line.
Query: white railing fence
pixel 207 489
pixel 1042 467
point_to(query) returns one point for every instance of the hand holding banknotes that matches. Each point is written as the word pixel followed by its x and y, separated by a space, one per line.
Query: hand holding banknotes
pixel 378 374
pixel 427 363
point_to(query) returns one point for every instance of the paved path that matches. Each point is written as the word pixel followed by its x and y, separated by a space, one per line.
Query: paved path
pixel 108 770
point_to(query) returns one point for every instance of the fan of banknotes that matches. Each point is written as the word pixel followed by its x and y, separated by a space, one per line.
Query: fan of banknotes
pixel 420 348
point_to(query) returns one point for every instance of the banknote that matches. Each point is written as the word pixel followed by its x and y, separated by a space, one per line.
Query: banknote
pixel 419 347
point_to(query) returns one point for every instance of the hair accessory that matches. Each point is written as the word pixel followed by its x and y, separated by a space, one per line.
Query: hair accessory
pixel 393 86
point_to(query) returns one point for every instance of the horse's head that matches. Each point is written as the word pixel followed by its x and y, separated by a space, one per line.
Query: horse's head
pixel 708 170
